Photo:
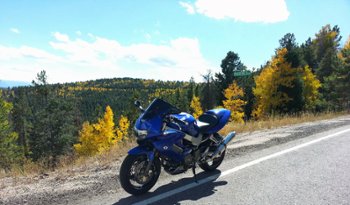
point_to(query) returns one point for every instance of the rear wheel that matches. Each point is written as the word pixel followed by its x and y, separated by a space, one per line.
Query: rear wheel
pixel 212 165
pixel 133 176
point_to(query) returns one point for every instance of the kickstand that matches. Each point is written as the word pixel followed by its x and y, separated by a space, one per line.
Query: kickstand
pixel 194 173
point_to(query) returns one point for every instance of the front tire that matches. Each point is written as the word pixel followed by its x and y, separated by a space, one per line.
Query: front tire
pixel 132 175
pixel 211 166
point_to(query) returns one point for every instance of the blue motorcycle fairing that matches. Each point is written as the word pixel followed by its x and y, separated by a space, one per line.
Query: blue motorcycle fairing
pixel 170 144
pixel 153 125
pixel 141 150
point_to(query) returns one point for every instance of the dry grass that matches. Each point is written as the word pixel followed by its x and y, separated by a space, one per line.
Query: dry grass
pixel 73 164
pixel 278 121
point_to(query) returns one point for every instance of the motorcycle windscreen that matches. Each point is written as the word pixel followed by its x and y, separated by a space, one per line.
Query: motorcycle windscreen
pixel 159 108
pixel 152 119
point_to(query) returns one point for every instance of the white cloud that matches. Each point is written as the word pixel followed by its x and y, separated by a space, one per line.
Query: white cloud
pixel 189 8
pixel 61 37
pixel 265 11
pixel 177 59
pixel 7 53
pixel 15 30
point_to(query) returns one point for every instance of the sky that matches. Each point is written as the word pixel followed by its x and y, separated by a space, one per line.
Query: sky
pixel 77 40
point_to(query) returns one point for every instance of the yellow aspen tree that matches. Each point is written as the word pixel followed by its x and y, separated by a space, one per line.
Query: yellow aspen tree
pixel 234 102
pixel 122 131
pixel 311 86
pixel 277 73
pixel 88 145
pixel 196 107
pixel 105 131
pixel 97 138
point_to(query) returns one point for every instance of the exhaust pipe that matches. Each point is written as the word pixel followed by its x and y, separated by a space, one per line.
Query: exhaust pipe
pixel 222 145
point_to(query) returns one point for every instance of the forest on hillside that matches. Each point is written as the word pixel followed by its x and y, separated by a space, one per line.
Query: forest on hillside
pixel 45 121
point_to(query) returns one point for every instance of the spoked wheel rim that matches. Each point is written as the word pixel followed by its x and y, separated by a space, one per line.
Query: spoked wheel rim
pixel 133 177
pixel 217 160
pixel 137 175
pixel 213 164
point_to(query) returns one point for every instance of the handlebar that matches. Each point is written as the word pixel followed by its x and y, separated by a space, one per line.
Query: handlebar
pixel 174 119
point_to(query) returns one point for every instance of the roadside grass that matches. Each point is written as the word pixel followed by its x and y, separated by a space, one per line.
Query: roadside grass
pixel 278 121
pixel 69 165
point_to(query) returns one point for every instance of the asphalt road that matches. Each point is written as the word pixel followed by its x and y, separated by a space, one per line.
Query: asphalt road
pixel 311 170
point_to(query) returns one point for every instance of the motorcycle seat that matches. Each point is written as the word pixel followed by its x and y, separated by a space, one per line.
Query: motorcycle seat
pixel 206 121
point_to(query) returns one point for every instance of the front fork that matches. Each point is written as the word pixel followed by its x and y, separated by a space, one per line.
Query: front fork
pixel 150 157
pixel 142 150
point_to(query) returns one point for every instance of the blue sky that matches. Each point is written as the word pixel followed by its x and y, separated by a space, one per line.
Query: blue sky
pixel 169 40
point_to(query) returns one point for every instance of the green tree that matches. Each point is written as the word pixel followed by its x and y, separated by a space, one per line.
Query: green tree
pixel 21 118
pixel 54 123
pixel 209 91
pixel 326 45
pixel 229 65
pixel 309 55
pixel 294 58
pixel 337 85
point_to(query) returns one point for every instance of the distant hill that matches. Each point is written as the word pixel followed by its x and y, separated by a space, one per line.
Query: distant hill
pixel 11 83
pixel 91 97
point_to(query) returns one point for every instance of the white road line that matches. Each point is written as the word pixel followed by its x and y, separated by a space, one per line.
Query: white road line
pixel 235 169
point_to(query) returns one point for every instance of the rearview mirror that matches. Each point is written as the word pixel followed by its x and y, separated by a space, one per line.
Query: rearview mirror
pixel 137 103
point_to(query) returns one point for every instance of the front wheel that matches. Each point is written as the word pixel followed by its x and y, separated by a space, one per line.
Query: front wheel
pixel 133 176
pixel 212 165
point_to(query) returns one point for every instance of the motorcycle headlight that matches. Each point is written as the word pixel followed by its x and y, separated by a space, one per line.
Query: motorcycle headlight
pixel 140 134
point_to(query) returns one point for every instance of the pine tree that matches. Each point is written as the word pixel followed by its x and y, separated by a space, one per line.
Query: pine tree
pixel 293 56
pixel 229 65
pixel 326 45
pixel 338 84
pixel 234 102
pixel 21 117
pixel 209 91
pixel 54 123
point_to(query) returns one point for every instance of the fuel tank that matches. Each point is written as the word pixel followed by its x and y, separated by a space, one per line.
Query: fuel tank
pixel 190 127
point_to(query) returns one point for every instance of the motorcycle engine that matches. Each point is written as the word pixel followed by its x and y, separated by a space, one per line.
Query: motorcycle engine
pixel 173 168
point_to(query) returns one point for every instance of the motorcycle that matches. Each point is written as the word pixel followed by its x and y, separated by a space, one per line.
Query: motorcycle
pixel 175 141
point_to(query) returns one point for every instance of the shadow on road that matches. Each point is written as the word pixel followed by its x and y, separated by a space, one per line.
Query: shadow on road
pixel 193 194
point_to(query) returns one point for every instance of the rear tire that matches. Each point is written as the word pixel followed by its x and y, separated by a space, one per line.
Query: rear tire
pixel 132 176
pixel 209 167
